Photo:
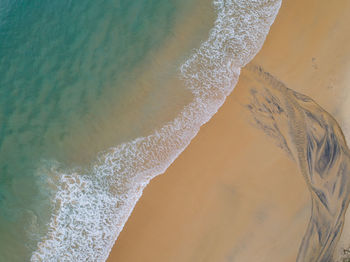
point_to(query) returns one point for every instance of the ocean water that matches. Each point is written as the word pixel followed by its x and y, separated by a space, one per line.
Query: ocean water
pixel 99 97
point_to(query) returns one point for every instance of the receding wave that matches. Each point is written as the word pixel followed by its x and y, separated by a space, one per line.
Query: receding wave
pixel 91 207
pixel 313 138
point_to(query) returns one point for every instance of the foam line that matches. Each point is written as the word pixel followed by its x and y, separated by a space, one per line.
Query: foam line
pixel 90 209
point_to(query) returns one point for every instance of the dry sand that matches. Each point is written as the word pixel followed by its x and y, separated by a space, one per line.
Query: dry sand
pixel 233 195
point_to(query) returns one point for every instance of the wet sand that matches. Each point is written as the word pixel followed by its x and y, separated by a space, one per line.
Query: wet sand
pixel 315 141
pixel 233 195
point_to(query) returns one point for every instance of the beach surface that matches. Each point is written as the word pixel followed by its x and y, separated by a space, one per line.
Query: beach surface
pixel 233 195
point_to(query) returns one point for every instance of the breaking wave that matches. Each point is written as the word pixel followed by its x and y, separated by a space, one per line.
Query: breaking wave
pixel 91 207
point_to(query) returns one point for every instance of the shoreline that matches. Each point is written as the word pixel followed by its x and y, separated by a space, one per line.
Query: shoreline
pixel 187 214
pixel 174 220
pixel 129 167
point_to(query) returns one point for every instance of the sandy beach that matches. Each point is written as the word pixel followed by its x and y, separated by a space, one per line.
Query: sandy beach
pixel 233 195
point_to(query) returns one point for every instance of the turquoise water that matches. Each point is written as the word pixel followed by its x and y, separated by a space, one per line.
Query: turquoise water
pixel 99 97
pixel 64 66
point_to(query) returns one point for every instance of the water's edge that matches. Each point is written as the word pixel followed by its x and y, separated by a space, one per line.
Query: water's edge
pixel 91 210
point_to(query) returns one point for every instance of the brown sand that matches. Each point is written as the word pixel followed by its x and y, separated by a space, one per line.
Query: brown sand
pixel 233 195
pixel 228 196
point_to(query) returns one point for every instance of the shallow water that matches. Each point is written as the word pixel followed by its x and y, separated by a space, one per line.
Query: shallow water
pixel 97 98
pixel 67 72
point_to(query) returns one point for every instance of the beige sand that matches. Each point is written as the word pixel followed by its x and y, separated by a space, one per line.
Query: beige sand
pixel 233 195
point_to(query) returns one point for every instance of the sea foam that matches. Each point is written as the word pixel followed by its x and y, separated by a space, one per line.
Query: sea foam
pixel 91 208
